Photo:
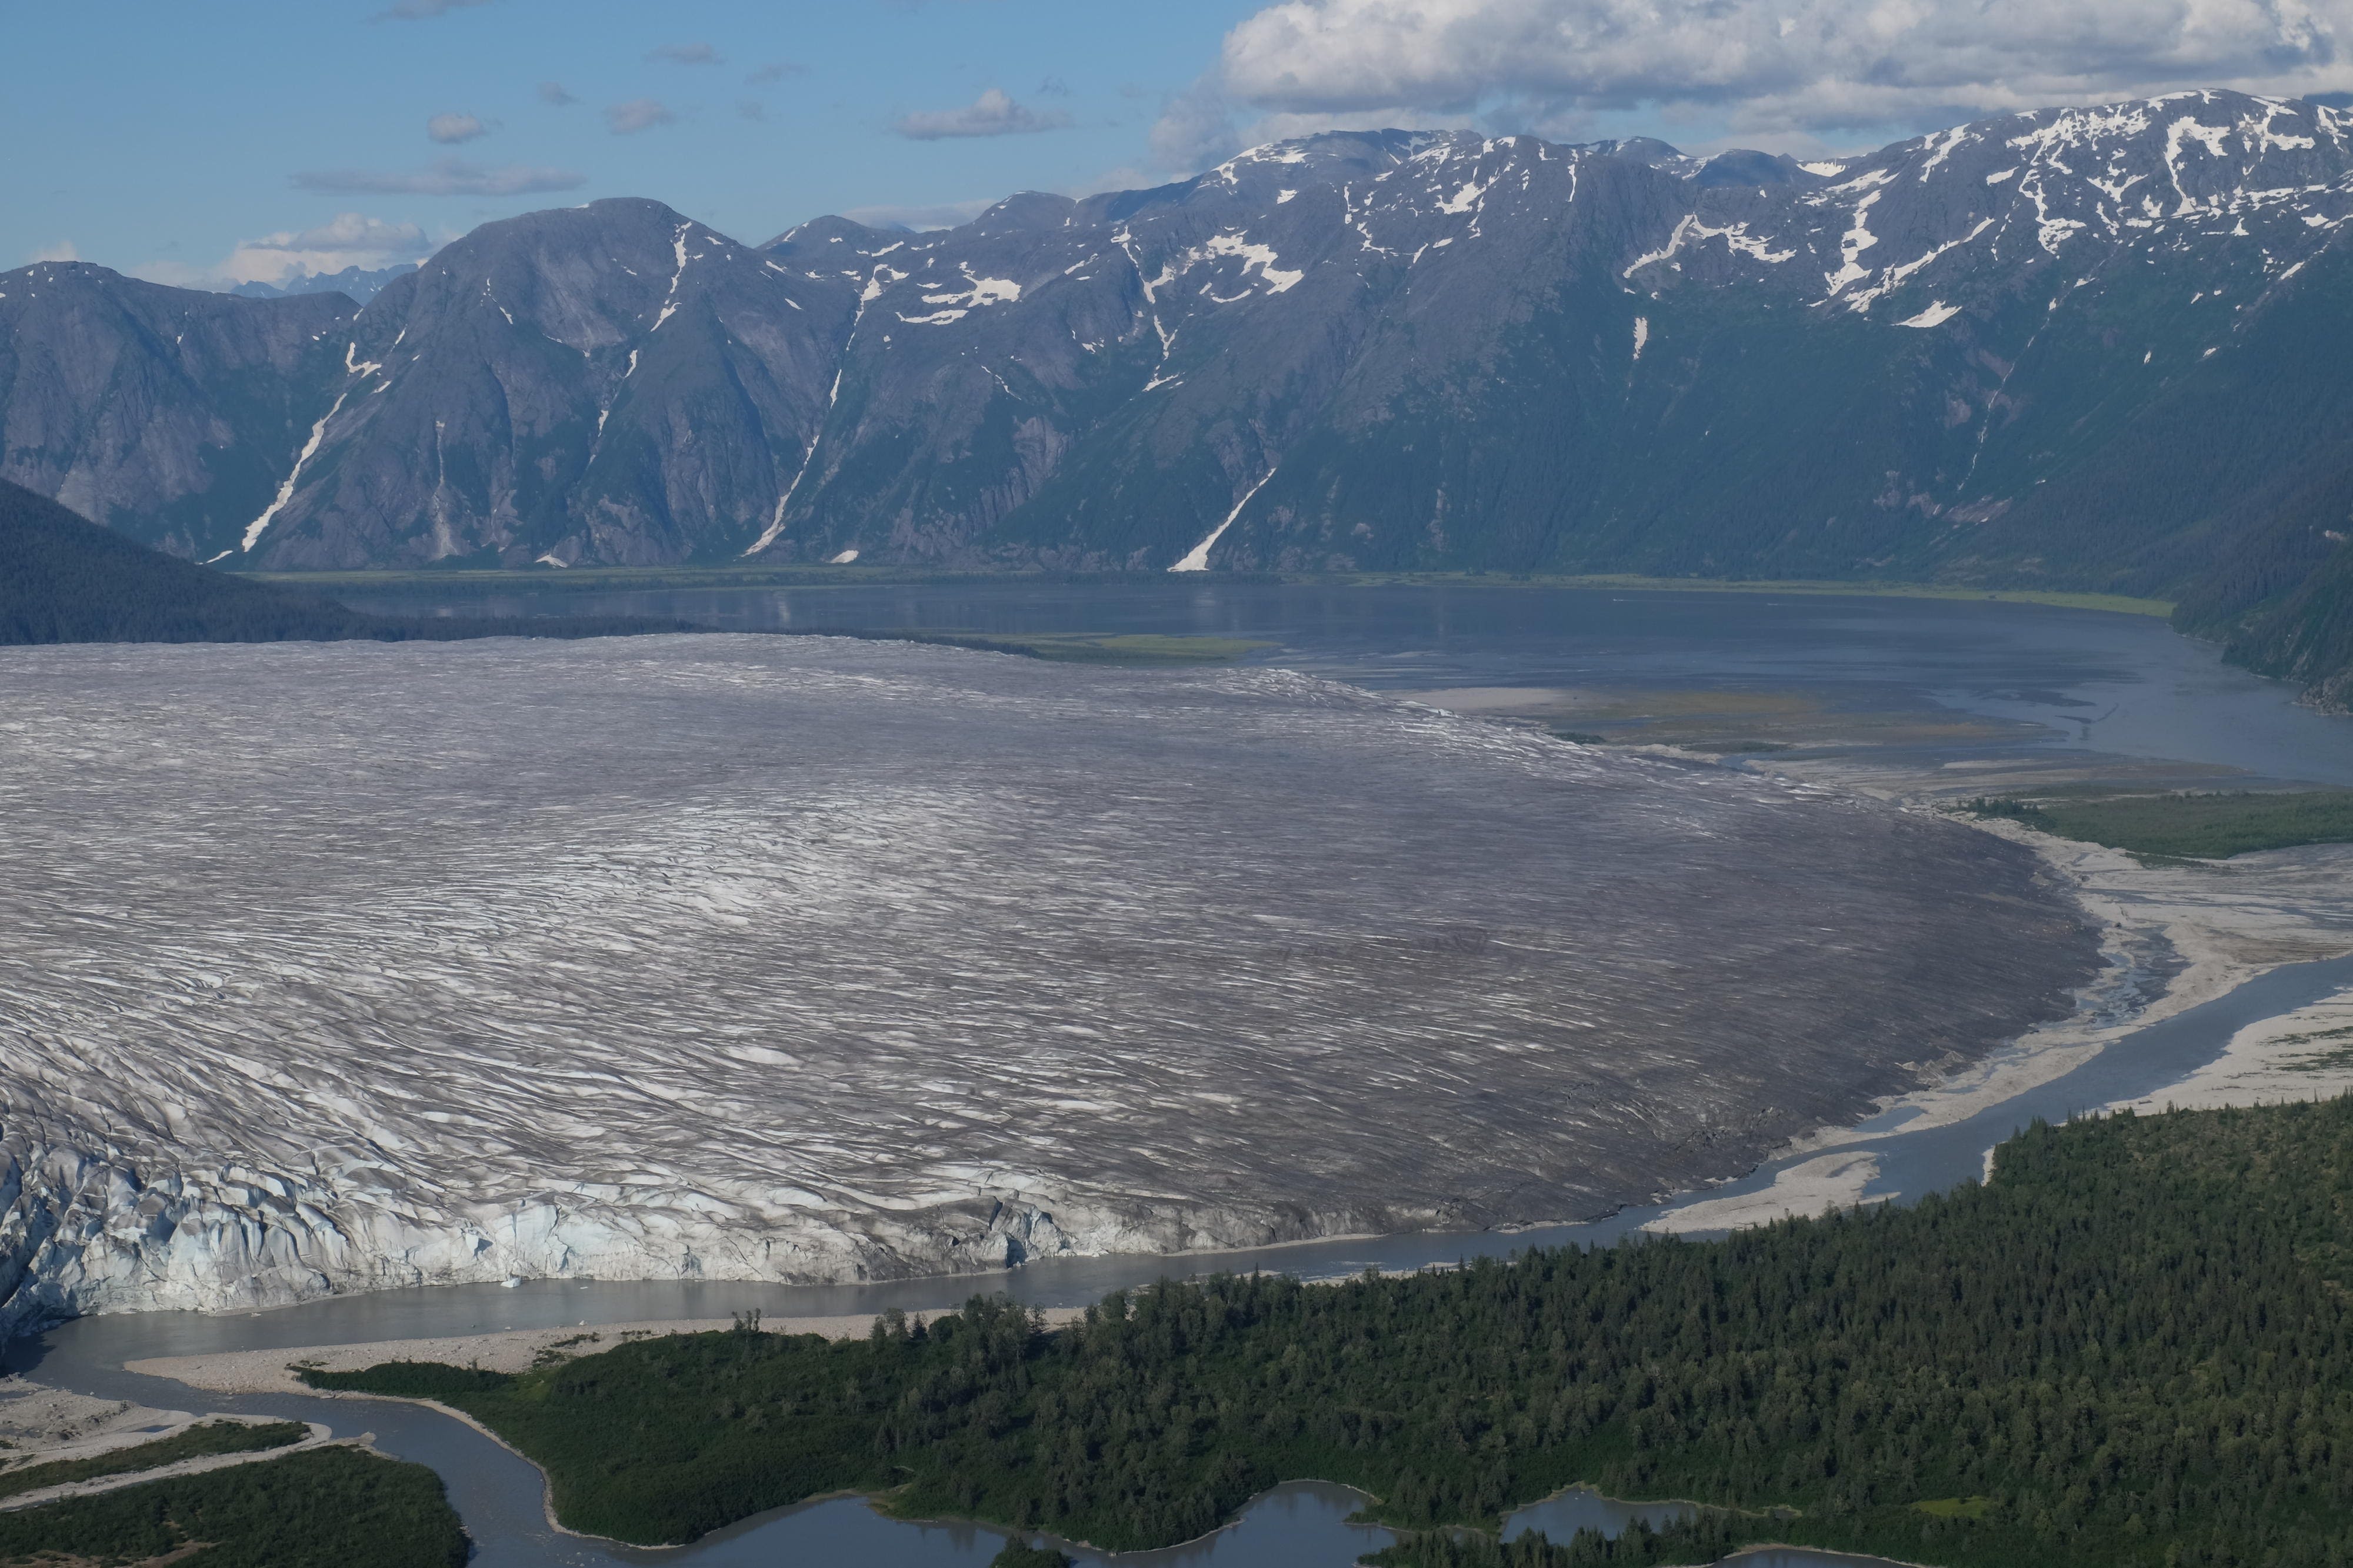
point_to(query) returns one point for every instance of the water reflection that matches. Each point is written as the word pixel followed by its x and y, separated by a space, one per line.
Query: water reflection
pixel 2120 685
pixel 1562 1515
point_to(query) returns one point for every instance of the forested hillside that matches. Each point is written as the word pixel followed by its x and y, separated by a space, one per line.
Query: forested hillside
pixel 63 579
pixel 2133 1346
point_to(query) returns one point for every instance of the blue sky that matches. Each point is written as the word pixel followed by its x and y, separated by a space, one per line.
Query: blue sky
pixel 210 144
pixel 171 132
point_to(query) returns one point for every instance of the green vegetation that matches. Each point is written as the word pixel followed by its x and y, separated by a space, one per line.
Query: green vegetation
pixel 614 579
pixel 2336 1050
pixel 2118 603
pixel 2186 827
pixel 327 1505
pixel 1019 1554
pixel 192 1442
pixel 2135 1345
pixel 1956 1507
pixel 63 579
pixel 663 579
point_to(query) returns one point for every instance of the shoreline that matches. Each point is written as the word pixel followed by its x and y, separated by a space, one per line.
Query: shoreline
pixel 321 1438
pixel 273 1370
pixel 658 579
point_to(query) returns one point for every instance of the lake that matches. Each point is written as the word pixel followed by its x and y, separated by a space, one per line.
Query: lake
pixel 2120 685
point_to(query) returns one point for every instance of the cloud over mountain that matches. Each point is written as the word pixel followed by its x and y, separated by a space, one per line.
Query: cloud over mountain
pixel 349 239
pixel 1766 63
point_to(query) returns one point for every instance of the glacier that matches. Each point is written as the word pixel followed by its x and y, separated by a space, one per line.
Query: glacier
pixel 349 966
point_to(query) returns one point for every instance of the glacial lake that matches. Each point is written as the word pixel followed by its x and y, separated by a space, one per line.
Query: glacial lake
pixel 2066 682
pixel 2069 680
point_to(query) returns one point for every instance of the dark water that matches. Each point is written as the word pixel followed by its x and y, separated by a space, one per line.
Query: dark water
pixel 2121 685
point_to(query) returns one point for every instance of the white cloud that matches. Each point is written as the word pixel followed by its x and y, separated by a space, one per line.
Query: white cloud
pixel 455 128
pixel 686 54
pixel 63 250
pixel 990 114
pixel 638 114
pixel 1766 63
pixel 349 239
pixel 1196 128
pixel 442 178
pixel 552 92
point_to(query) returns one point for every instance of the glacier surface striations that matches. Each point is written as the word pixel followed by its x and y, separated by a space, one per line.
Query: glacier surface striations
pixel 337 967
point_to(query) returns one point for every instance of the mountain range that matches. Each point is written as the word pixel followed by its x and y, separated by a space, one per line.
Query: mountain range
pixel 2103 348
pixel 358 284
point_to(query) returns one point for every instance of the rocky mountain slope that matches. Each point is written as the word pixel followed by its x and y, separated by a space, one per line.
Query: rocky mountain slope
pixel 169 413
pixel 357 284
pixel 2101 348
pixel 63 579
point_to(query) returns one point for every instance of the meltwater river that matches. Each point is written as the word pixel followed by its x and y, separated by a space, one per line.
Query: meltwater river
pixel 2071 681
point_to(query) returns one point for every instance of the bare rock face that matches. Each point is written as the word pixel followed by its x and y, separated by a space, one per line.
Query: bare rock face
pixel 2102 346
pixel 610 383
pixel 167 414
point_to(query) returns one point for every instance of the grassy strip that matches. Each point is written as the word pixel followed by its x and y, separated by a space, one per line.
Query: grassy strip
pixel 328 1506
pixel 2133 1348
pixel 620 578
pixel 660 579
pixel 191 1443
pixel 2186 826
pixel 2117 603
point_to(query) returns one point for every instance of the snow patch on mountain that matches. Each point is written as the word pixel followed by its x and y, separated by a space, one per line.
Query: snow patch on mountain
pixel 1197 558
pixel 1936 315
pixel 1857 239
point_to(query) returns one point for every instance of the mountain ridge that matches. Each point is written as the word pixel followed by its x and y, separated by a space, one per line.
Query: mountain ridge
pixel 2101 349
pixel 64 579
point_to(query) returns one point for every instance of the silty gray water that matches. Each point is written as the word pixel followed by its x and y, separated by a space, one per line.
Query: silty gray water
pixel 2085 680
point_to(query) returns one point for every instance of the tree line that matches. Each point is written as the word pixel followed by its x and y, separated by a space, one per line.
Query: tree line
pixel 2132 1346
